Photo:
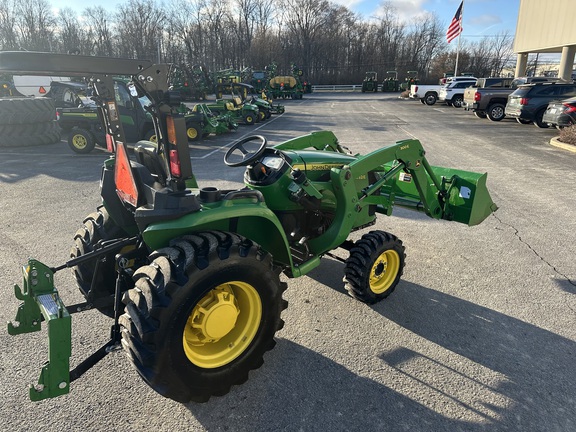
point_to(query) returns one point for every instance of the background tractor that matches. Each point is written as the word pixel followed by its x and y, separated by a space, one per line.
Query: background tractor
pixel 411 78
pixel 390 83
pixel 191 275
pixel 370 82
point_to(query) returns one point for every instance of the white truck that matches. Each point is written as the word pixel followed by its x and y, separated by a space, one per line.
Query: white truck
pixel 428 94
pixel 453 92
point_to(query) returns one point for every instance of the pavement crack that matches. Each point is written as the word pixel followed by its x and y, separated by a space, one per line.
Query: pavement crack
pixel 517 234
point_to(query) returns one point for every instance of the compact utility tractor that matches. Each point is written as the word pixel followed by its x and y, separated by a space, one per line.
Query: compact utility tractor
pixel 191 276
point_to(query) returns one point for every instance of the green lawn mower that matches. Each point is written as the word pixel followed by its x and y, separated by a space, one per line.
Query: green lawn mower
pixel 191 275
pixel 246 113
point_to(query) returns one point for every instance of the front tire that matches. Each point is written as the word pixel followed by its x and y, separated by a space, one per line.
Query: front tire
pixel 374 266
pixel 193 132
pixel 202 315
pixel 457 101
pixel 249 119
pixel 81 141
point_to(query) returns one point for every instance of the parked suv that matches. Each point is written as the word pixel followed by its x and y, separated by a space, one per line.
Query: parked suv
pixel 529 102
pixel 453 92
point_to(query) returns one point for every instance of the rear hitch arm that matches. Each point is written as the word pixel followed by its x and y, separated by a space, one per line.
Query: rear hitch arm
pixel 41 302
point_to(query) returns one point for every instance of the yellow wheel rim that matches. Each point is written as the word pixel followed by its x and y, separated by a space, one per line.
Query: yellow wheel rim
pixel 153 138
pixel 79 141
pixel 222 325
pixel 249 119
pixel 384 271
pixel 192 133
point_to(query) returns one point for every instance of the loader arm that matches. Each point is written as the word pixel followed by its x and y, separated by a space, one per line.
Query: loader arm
pixel 407 179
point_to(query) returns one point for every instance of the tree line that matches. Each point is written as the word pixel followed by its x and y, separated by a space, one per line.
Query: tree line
pixel 329 42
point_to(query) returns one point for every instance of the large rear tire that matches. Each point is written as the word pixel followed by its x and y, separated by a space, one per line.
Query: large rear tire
pixel 97 226
pixel 374 266
pixel 202 315
pixel 24 110
pixel 34 134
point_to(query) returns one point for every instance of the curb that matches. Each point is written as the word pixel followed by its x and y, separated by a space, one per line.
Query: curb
pixel 554 141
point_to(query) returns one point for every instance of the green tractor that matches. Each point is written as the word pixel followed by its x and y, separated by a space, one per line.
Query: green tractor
pixel 411 78
pixel 212 123
pixel 259 80
pixel 190 275
pixel 265 107
pixel 224 79
pixel 390 83
pixel 370 82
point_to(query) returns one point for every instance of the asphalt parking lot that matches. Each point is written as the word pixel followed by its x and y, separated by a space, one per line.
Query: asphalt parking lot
pixel 480 334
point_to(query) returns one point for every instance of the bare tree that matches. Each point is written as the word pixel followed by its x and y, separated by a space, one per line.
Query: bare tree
pixel 35 24
pixel 188 20
pixel 99 24
pixel 501 51
pixel 304 20
pixel 72 37
pixel 328 41
pixel 8 35
pixel 141 30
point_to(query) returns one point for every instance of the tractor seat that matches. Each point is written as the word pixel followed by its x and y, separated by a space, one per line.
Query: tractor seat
pixel 237 101
pixel 146 153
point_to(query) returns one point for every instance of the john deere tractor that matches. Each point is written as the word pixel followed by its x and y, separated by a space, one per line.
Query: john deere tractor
pixel 189 274
pixel 370 82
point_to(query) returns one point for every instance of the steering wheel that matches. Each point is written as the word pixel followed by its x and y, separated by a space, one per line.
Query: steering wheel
pixel 247 156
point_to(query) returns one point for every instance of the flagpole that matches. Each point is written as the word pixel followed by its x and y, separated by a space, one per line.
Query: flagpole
pixel 457 55
pixel 459 40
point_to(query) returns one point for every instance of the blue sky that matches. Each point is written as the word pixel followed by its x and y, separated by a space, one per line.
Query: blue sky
pixel 481 17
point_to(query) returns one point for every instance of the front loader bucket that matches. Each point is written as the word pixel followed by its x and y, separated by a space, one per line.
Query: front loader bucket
pixel 467 200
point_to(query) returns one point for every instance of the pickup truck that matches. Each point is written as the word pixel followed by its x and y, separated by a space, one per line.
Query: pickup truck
pixel 453 92
pixel 489 96
pixel 428 94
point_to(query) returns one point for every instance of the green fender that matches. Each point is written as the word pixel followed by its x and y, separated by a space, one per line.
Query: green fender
pixel 246 216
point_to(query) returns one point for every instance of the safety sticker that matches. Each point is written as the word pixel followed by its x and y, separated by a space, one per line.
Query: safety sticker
pixel 405 177
pixel 465 192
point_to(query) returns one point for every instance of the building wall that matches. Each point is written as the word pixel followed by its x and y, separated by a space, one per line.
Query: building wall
pixel 545 25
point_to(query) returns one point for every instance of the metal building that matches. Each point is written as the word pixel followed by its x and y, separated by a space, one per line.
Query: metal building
pixel 546 26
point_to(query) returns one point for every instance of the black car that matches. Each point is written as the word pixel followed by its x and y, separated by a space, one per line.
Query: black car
pixel 528 103
pixel 561 114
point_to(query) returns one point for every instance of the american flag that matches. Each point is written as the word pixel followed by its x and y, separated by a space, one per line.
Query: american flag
pixel 455 27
